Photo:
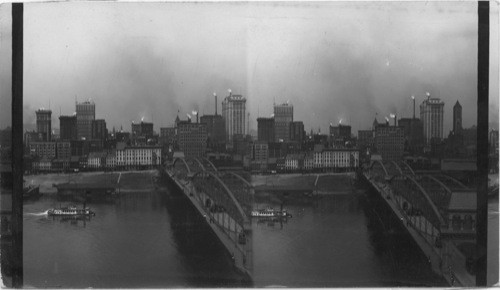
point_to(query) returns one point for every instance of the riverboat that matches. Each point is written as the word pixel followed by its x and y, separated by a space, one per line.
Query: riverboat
pixel 70 211
pixel 270 212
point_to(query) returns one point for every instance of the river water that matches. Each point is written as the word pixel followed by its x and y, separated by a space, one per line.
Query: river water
pixel 157 239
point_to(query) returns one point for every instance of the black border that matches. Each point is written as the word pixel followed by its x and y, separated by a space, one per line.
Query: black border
pixel 483 59
pixel 17 144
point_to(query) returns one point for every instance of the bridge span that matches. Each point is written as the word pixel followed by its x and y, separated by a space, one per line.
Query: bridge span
pixel 224 199
pixel 439 212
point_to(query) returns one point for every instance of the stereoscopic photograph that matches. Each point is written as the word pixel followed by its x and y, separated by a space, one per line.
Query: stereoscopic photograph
pixel 249 144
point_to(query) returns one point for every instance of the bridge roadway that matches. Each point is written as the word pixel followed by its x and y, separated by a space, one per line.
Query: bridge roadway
pixel 436 210
pixel 224 199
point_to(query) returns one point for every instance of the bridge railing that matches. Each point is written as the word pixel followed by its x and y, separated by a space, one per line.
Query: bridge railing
pixel 241 189
pixel 417 209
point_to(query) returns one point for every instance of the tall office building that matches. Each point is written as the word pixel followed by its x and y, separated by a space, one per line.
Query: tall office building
pixel 365 138
pixel 233 112
pixel 192 138
pixel 168 135
pixel 85 114
pixel 457 118
pixel 339 135
pixel 265 129
pixel 340 132
pixel 431 115
pixel 142 129
pixel 99 130
pixel 389 142
pixel 67 127
pixel 414 134
pixel 283 116
pixel 297 131
pixel 216 130
pixel 44 124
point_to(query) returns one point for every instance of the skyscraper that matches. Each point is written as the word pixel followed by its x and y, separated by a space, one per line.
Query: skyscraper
pixel 85 114
pixel 297 131
pixel 44 124
pixel 283 116
pixel 99 130
pixel 265 129
pixel 192 138
pixel 457 118
pixel 389 142
pixel 233 112
pixel 216 130
pixel 431 115
pixel 413 133
pixel 142 129
pixel 67 127
pixel 340 131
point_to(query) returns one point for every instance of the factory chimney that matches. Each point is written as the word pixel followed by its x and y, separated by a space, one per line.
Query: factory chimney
pixel 413 98
pixel 215 95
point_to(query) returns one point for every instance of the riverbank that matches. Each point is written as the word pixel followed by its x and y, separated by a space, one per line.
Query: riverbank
pixel 126 181
pixel 327 183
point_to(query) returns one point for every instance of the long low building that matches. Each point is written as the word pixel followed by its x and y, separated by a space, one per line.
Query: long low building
pixel 124 157
pixel 336 158
pixel 137 157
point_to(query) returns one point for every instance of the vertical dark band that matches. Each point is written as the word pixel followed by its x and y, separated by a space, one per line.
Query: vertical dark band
pixel 482 140
pixel 17 144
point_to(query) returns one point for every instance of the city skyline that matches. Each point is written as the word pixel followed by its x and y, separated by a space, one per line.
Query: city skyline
pixel 248 144
pixel 151 67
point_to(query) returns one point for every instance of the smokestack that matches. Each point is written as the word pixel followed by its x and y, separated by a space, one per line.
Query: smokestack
pixel 196 118
pixel 395 120
pixel 413 98
pixel 215 95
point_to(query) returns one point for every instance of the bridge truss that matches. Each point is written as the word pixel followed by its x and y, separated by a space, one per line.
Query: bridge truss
pixel 422 199
pixel 225 199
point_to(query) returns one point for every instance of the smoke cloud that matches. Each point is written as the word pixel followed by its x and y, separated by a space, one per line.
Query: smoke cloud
pixel 333 61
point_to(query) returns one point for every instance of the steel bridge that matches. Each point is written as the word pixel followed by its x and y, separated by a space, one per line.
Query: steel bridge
pixel 224 198
pixel 438 210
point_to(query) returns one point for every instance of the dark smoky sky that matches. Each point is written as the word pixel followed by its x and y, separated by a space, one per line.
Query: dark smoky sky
pixel 332 60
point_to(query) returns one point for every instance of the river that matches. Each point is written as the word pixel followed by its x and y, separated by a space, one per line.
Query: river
pixel 157 239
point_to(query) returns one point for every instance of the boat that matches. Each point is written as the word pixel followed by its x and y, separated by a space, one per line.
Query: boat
pixel 270 212
pixel 70 211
